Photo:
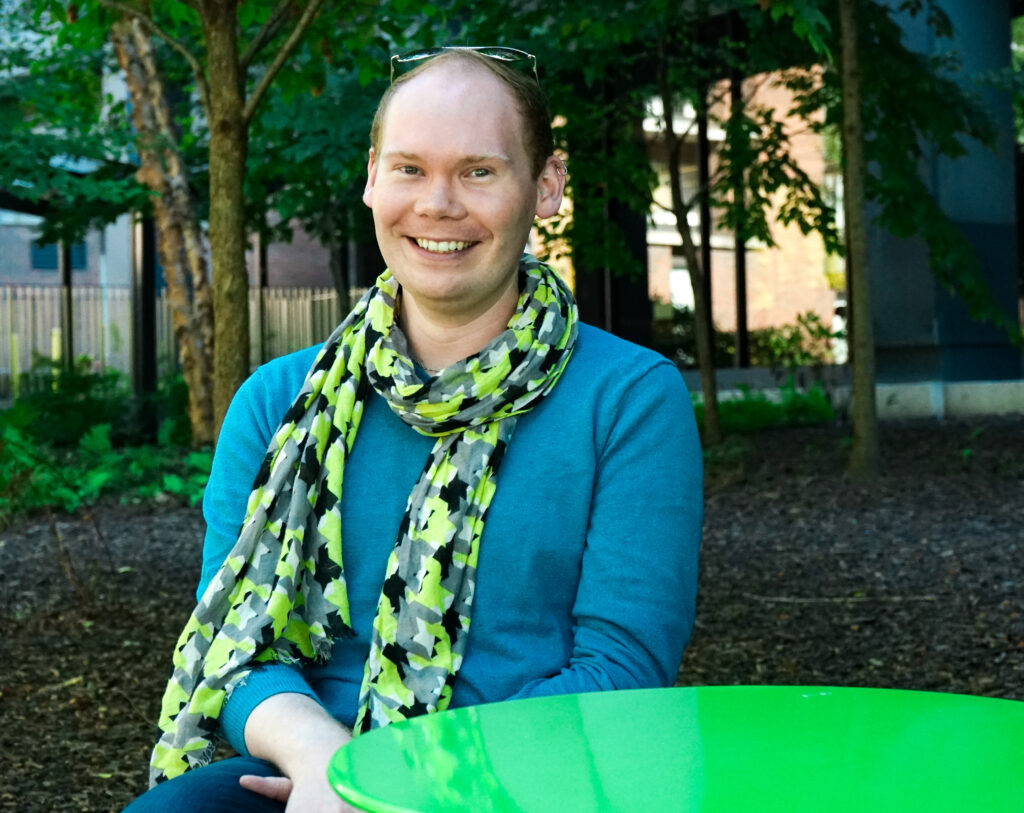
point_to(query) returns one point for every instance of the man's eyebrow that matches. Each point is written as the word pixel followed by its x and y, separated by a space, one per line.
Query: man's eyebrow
pixel 483 158
pixel 405 156
pixel 468 159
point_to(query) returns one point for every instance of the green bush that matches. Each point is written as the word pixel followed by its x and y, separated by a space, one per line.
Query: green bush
pixel 65 404
pixel 804 344
pixel 754 410
pixel 169 409
pixel 35 476
pixel 84 435
pixel 75 400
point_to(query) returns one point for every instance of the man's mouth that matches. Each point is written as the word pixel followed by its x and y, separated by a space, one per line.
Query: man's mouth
pixel 443 246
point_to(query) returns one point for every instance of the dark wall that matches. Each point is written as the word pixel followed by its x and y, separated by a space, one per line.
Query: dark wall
pixel 921 331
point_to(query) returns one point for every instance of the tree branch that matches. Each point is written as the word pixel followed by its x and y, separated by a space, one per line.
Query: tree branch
pixel 156 30
pixel 265 34
pixel 279 60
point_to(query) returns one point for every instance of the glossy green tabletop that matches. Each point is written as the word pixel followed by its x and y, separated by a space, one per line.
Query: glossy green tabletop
pixel 707 750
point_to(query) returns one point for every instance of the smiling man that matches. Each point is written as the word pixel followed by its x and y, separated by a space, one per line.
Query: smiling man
pixel 454 196
pixel 522 502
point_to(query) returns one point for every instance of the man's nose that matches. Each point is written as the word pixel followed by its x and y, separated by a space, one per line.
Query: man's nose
pixel 439 198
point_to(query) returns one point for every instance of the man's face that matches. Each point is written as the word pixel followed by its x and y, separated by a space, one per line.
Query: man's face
pixel 452 194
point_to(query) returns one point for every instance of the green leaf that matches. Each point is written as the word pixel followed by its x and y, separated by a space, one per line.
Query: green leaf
pixel 174 484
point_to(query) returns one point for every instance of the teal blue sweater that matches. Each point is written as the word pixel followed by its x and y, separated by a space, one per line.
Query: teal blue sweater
pixel 588 562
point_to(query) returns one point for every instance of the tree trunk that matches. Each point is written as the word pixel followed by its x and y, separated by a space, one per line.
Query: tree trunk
pixel 698 280
pixel 228 145
pixel 864 451
pixel 703 336
pixel 338 240
pixel 180 237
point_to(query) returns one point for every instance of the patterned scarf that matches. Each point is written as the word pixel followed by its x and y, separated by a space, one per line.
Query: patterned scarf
pixel 280 594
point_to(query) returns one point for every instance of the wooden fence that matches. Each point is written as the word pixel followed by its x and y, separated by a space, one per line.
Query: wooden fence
pixel 30 329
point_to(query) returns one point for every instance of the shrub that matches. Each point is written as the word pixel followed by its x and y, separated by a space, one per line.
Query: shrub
pixel 83 435
pixel 755 410
pixel 75 400
pixel 71 402
pixel 806 343
pixel 35 476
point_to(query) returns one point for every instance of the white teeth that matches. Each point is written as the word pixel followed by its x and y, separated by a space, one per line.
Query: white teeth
pixel 442 247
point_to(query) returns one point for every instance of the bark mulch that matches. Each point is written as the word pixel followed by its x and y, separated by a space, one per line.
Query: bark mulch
pixel 912 580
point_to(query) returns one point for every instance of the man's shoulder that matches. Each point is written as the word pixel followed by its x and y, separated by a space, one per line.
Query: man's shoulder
pixel 607 371
pixel 283 376
pixel 602 352
pixel 297 360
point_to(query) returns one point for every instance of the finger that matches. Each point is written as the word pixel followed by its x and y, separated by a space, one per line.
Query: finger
pixel 278 788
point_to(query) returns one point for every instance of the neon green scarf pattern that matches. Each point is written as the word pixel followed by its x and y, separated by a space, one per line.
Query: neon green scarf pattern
pixel 280 594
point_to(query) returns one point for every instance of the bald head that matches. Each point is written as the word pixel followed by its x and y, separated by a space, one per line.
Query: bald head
pixel 533 114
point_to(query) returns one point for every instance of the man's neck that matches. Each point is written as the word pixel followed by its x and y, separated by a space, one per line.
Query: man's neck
pixel 437 340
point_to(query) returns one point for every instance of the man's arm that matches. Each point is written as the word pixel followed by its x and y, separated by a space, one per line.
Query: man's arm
pixel 251 420
pixel 297 734
pixel 635 603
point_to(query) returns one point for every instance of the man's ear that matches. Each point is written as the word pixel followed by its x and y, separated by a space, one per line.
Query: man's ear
pixel 550 186
pixel 371 179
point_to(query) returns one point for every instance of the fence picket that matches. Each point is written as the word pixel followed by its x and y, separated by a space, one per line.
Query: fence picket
pixel 295 318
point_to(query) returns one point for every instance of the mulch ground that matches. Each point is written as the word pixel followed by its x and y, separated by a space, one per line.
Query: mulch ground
pixel 914 579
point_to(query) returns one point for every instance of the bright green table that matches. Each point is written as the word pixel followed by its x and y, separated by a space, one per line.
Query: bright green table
pixel 725 749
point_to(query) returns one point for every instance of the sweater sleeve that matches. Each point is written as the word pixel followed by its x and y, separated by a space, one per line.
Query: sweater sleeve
pixel 635 604
pixel 251 419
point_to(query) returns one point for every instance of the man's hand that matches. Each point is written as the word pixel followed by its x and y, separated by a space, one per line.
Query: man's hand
pixel 297 734
pixel 280 789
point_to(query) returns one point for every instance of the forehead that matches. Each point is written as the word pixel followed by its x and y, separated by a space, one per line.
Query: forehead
pixel 454 107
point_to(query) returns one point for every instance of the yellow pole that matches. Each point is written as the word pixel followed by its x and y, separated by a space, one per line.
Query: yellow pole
pixel 55 354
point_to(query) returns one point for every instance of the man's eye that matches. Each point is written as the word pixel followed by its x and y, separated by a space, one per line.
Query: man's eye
pixel 407 170
pixel 480 172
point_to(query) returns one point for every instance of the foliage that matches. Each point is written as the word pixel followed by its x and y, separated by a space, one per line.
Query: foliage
pixel 674 336
pixel 35 476
pixel 168 409
pixel 805 343
pixel 63 146
pixel 72 401
pixel 1013 80
pixel 307 164
pixel 807 19
pixel 602 63
pixel 84 435
pixel 217 62
pixel 773 186
pixel 61 405
pixel 938 115
pixel 754 410
pixel 307 144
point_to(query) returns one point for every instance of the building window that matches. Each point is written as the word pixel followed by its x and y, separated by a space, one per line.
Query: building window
pixel 44 257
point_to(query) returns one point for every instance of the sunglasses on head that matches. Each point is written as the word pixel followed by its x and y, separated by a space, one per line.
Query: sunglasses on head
pixel 400 63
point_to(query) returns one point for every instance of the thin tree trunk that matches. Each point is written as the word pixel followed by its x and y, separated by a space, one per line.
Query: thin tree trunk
pixel 228 146
pixel 864 451
pixel 337 238
pixel 703 336
pixel 698 279
pixel 180 237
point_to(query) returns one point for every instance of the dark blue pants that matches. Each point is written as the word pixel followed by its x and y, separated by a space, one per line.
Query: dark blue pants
pixel 211 789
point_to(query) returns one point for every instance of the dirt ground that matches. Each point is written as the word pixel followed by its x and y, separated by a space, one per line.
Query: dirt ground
pixel 912 580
